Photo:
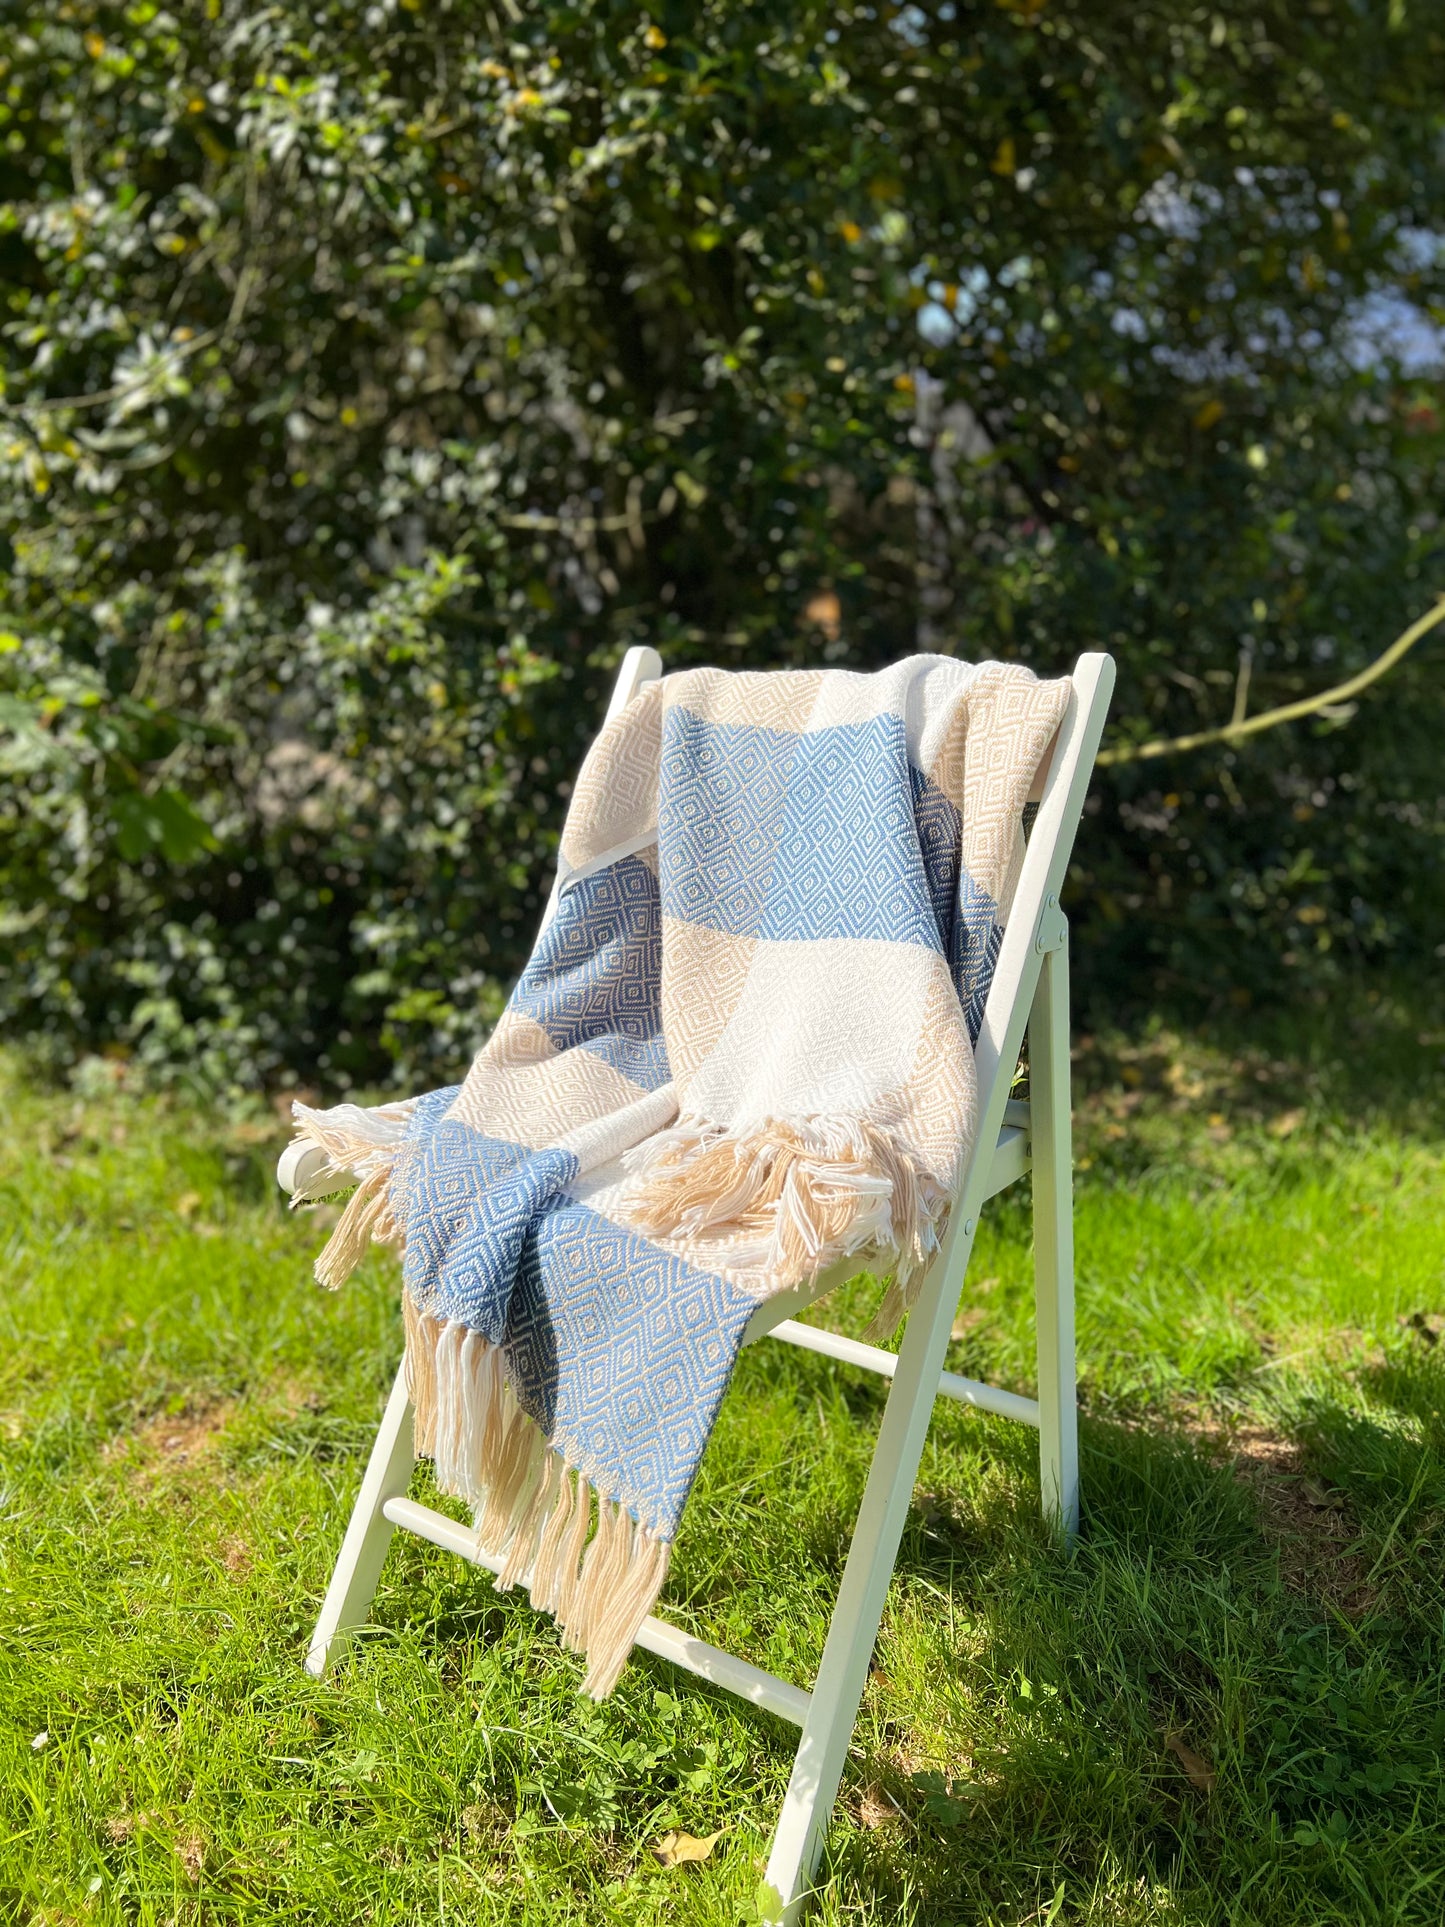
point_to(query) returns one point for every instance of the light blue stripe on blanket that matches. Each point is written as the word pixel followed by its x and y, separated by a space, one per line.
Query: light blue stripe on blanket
pixel 621 1352
pixel 744 807
pixel 468 1203
pixel 595 976
pixel 767 833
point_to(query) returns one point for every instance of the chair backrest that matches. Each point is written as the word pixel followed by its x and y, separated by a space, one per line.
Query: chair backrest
pixel 1051 836
pixel 1041 880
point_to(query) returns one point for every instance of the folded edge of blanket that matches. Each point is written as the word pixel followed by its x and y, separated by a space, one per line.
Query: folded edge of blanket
pixel 808 1191
pixel 532 1507
pixel 361 1147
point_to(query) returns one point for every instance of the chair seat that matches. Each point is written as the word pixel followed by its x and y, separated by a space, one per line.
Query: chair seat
pixel 1011 1159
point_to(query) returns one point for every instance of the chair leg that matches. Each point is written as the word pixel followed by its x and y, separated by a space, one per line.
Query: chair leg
pixel 1051 1129
pixel 828 1731
pixel 363 1551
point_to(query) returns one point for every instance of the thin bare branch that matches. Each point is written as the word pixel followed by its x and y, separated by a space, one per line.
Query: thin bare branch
pixel 49 404
pixel 1235 731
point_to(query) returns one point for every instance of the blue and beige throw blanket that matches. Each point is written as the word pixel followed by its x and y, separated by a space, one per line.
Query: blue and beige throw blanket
pixel 741 1054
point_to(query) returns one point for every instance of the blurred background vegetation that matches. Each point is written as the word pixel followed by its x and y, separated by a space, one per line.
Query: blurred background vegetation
pixel 372 376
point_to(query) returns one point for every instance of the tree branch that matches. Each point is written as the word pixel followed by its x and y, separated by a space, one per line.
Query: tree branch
pixel 1235 731
pixel 48 404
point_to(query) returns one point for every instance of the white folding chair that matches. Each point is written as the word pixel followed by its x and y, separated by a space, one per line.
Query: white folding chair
pixel 1030 991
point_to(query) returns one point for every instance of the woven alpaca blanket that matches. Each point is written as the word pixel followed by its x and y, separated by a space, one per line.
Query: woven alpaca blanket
pixel 740 1056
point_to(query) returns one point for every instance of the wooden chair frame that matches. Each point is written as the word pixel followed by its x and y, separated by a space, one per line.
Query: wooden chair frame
pixel 1030 990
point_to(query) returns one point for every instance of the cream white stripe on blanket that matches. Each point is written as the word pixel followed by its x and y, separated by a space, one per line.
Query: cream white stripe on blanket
pixel 741 1052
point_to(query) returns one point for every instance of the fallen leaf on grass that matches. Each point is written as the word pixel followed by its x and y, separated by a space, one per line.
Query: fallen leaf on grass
pixel 1287 1122
pixel 1320 1497
pixel 1199 1773
pixel 674 1849
pixel 188 1203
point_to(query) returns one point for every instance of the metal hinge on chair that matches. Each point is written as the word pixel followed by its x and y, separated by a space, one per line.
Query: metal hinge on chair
pixel 1053 928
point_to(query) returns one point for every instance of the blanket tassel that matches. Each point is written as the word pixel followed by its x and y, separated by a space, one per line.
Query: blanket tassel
pixel 530 1506
pixel 794 1196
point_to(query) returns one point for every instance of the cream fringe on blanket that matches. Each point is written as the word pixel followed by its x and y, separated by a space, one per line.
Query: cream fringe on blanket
pixel 361 1148
pixel 807 1193
pixel 529 1505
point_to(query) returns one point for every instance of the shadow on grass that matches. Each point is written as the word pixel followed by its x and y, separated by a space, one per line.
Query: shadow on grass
pixel 1163 1715
pixel 1176 1722
pixel 1372 1051
pixel 1411 1384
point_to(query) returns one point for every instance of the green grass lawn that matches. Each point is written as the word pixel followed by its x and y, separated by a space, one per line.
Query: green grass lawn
pixel 1227 1706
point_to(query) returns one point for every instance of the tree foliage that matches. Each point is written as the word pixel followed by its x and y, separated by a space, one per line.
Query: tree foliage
pixel 373 375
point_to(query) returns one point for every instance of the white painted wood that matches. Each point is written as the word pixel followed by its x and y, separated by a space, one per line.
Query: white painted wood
pixel 854 1627
pixel 1049 1085
pixel 872 1358
pixel 298 1164
pixel 363 1551
pixel 1010 1160
pixel 777 1310
pixel 657 1636
pixel 639 666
